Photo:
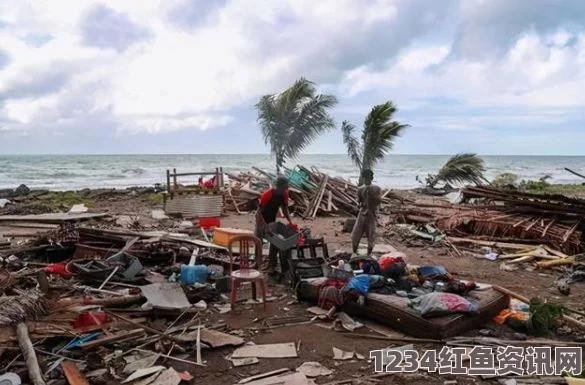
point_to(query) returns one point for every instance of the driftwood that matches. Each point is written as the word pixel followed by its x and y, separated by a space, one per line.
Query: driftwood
pixel 28 351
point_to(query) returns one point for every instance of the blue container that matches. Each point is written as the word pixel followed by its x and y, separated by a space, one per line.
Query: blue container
pixel 194 274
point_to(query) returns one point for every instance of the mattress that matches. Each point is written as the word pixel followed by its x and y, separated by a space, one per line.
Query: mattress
pixel 393 311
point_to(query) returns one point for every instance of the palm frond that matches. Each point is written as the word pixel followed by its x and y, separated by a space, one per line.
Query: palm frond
pixel 460 169
pixel 379 133
pixel 293 119
pixel 353 145
pixel 312 120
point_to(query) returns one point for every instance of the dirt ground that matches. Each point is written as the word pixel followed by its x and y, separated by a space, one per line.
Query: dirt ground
pixel 316 343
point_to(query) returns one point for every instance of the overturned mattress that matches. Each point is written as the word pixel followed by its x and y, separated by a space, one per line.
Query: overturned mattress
pixel 394 311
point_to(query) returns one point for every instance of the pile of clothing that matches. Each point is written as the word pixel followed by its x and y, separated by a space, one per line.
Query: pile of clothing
pixel 431 289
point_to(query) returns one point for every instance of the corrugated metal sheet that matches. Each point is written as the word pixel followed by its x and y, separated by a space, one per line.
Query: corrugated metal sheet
pixel 195 205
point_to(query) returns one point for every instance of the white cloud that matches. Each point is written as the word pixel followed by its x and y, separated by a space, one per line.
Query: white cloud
pixel 538 71
pixel 191 63
pixel 181 78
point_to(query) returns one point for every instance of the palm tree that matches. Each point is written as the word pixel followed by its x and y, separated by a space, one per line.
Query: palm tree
pixel 293 119
pixel 460 168
pixel 377 139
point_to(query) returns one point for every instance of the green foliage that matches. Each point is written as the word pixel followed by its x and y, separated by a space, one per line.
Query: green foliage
pixel 155 198
pixel 544 316
pixel 459 169
pixel 293 119
pixel 505 180
pixel 377 139
pixel 62 200
pixel 539 185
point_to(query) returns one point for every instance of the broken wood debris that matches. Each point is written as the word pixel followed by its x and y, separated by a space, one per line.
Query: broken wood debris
pixel 311 192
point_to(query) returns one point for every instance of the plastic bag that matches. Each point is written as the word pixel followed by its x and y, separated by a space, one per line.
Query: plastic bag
pixel 437 304
pixel 359 283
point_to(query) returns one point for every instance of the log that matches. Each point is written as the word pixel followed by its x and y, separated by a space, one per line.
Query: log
pixel 554 263
pixel 575 173
pixel 28 351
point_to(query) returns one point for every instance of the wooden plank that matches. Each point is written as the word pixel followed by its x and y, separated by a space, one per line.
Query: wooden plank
pixel 503 245
pixel 215 338
pixel 131 334
pixel 52 217
pixel 284 350
pixel 320 195
pixel 73 374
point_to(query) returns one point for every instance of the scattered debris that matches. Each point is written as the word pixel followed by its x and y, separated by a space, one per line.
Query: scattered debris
pixel 285 350
pixel 339 354
pixel 313 369
pixel 244 361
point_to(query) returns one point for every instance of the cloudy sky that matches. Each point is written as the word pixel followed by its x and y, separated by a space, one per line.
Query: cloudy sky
pixel 182 76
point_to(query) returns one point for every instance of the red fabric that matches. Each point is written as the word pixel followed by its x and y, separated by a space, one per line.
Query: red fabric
pixel 267 196
pixel 387 261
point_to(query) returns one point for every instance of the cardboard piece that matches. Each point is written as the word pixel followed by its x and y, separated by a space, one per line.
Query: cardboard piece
pixel 285 350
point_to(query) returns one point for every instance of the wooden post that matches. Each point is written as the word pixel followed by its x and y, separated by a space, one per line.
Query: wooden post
pixel 174 178
pixel 28 352
pixel 169 181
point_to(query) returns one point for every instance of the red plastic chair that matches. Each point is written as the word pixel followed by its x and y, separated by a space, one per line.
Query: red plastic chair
pixel 245 273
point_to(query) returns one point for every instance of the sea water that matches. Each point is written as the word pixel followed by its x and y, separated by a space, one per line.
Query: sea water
pixel 58 172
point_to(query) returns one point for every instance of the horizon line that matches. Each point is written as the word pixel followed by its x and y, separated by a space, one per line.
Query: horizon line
pixel 265 154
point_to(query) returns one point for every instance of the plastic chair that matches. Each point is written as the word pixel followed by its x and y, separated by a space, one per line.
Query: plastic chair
pixel 245 273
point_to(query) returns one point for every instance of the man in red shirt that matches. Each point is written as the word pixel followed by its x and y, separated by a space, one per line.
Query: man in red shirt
pixel 270 202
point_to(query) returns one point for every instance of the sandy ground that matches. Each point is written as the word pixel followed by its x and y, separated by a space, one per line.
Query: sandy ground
pixel 316 343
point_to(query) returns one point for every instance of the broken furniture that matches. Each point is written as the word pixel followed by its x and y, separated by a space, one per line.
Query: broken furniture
pixel 194 201
pixel 245 273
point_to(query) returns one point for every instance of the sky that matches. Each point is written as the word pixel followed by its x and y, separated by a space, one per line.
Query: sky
pixel 182 76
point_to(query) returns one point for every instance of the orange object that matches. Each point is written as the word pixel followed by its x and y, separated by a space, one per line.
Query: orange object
pixel 223 235
pixel 506 314
pixel 245 273
pixel 73 374
pixel 502 317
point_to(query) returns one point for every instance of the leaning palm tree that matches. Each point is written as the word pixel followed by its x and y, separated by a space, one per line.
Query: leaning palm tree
pixel 293 119
pixel 377 138
pixel 459 169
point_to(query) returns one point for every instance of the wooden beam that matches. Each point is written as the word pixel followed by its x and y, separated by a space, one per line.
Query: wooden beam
pixel 73 374
pixel 28 351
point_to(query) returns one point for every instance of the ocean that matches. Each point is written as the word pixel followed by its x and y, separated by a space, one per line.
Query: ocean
pixel 72 172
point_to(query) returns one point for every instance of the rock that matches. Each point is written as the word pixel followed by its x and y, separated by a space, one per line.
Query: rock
pixel 509 381
pixel 450 382
pixel 487 332
pixel 21 190
pixel 6 193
